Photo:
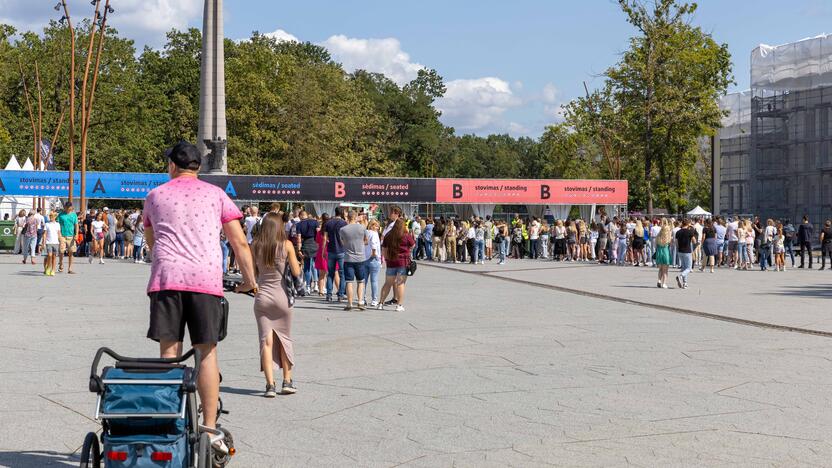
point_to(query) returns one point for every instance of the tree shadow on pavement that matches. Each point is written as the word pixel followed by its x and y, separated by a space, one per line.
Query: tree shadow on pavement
pixel 815 290
pixel 36 459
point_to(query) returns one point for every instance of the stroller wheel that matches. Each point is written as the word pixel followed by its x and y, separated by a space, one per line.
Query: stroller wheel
pixel 90 452
pixel 221 459
pixel 203 451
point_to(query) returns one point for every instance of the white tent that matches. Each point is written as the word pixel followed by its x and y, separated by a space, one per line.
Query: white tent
pixel 699 211
pixel 10 204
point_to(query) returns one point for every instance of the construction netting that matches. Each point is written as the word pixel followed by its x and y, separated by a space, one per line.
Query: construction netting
pixel 800 65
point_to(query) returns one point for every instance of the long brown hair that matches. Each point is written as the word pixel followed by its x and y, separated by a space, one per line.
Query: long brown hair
pixel 393 240
pixel 271 236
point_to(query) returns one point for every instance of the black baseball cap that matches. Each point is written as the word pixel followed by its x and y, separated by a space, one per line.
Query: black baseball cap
pixel 184 155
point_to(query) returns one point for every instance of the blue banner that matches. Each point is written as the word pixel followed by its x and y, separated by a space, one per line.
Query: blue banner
pixel 112 185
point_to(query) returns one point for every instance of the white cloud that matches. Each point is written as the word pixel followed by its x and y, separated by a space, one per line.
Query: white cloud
pixel 375 55
pixel 282 36
pixel 477 105
pixel 550 93
pixel 515 129
pixel 144 21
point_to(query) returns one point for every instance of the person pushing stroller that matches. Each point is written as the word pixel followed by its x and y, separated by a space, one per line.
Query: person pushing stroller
pixel 182 222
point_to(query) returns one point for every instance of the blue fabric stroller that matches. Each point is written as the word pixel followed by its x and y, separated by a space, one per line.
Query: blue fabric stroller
pixel 149 416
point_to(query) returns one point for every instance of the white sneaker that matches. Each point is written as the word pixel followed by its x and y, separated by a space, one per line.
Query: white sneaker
pixel 101 261
pixel 374 304
pixel 399 308
pixel 362 303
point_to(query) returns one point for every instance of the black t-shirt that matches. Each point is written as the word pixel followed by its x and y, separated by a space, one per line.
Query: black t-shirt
pixel 439 230
pixel 307 228
pixel 683 239
pixel 332 229
pixel 827 235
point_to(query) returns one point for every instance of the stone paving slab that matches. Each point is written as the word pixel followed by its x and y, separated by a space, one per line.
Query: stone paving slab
pixel 793 298
pixel 478 372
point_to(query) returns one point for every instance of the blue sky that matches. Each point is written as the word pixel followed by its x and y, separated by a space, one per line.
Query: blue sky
pixel 508 65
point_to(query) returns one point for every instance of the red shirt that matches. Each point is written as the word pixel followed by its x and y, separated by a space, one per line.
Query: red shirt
pixel 405 248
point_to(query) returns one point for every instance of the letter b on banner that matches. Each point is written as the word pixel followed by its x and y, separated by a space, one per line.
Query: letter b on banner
pixel 339 190
pixel 457 191
pixel 545 192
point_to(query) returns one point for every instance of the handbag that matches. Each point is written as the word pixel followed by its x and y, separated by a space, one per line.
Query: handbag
pixel 411 268
pixel 291 285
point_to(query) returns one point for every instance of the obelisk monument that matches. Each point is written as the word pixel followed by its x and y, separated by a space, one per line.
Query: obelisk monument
pixel 211 135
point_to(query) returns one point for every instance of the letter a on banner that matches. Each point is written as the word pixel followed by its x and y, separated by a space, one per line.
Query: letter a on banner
pixel 99 186
pixel 229 189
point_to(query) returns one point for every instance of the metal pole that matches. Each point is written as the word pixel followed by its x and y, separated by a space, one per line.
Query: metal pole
pixel 84 128
pixel 71 102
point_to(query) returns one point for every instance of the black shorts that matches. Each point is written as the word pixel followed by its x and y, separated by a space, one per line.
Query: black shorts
pixel 170 311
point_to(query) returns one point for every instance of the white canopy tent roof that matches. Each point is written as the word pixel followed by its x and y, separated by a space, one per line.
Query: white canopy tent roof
pixel 698 211
pixel 9 204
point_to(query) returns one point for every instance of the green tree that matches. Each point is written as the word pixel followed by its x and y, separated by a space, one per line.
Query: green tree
pixel 666 87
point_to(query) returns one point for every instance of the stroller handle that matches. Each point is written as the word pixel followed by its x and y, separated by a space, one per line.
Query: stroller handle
pixel 96 386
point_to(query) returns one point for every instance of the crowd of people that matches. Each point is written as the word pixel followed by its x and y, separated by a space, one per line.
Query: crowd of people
pixel 707 243
pixel 102 233
pixel 342 255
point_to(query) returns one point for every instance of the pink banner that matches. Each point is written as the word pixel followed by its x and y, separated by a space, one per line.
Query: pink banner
pixel 541 192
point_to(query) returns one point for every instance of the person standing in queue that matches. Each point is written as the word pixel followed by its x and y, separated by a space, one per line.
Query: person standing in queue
pixel 354 238
pixel 805 233
pixel 826 244
pixel 396 246
pixel 183 219
pixel 305 231
pixel 335 255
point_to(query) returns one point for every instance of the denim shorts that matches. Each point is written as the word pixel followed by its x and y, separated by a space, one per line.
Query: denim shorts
pixel 51 249
pixel 396 271
pixel 355 271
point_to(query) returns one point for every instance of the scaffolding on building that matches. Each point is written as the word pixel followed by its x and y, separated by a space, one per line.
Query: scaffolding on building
pixel 775 156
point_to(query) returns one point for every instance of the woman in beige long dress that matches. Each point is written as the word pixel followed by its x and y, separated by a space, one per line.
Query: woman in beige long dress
pixel 273 253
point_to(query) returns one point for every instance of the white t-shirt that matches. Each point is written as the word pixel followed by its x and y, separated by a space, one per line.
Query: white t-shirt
pixel 534 232
pixel 373 243
pixel 41 220
pixel 675 230
pixel 654 231
pixel 250 222
pixel 97 227
pixel 630 228
pixel 770 232
pixel 51 232
pixel 698 228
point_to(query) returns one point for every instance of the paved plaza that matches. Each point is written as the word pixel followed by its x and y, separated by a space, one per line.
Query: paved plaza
pixel 527 364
